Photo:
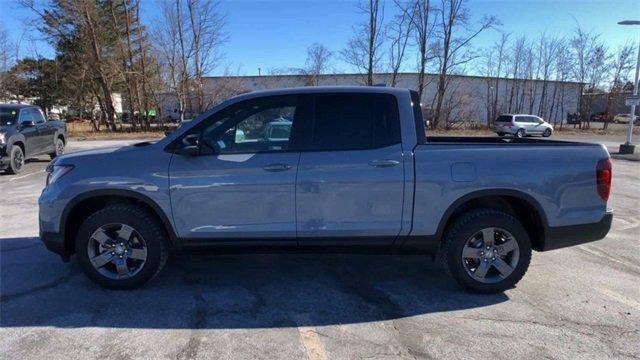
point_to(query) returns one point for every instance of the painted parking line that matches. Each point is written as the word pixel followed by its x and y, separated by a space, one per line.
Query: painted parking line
pixel 25 175
pixel 620 298
pixel 310 340
pixel 601 254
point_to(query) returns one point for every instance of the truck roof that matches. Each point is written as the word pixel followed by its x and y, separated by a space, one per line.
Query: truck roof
pixel 16 106
pixel 330 89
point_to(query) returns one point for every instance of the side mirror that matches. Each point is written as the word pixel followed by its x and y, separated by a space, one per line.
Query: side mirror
pixel 190 145
pixel 27 123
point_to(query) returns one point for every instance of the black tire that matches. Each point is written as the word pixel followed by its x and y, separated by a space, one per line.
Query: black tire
pixel 463 229
pixel 520 133
pixel 546 133
pixel 146 224
pixel 59 148
pixel 16 160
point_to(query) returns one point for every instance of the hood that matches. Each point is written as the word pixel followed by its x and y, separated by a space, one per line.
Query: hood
pixel 92 153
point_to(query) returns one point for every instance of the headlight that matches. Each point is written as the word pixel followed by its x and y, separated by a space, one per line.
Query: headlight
pixel 55 172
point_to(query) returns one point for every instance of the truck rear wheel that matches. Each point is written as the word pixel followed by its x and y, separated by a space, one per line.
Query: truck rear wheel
pixel 122 246
pixel 59 150
pixel 486 251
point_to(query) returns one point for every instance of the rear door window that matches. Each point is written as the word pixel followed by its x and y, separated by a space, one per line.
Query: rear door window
pixel 504 119
pixel 354 121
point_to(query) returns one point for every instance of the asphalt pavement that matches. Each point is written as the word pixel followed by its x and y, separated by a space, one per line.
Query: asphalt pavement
pixel 580 302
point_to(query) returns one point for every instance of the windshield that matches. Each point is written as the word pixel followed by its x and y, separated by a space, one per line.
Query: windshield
pixel 504 118
pixel 8 116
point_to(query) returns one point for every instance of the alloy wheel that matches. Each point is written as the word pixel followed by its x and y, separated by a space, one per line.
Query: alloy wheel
pixel 18 160
pixel 490 255
pixel 59 147
pixel 117 251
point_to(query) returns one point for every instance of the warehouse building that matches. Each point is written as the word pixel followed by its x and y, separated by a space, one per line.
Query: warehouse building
pixel 468 99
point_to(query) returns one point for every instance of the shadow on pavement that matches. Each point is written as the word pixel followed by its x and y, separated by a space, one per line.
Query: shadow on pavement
pixel 206 290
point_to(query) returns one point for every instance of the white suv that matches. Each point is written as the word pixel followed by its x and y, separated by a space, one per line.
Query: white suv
pixel 521 125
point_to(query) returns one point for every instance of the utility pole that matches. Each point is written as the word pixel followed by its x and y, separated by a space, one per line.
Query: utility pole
pixel 628 147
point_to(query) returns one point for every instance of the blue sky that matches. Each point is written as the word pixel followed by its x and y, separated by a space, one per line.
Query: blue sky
pixel 275 34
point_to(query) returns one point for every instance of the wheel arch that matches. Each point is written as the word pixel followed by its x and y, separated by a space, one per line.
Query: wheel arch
pixel 517 203
pixel 18 140
pixel 85 204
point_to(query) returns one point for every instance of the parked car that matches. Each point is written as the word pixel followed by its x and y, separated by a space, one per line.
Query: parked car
pixel 24 134
pixel 521 125
pixel 623 118
pixel 279 129
pixel 355 172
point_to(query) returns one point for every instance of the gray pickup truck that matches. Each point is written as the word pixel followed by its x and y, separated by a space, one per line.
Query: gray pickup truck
pixel 356 172
pixel 25 133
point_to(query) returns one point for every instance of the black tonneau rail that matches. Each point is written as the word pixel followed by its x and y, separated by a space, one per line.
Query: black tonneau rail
pixel 454 140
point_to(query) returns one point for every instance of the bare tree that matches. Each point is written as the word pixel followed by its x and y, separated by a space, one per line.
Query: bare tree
pixel 398 35
pixel 207 34
pixel 423 24
pixel 317 63
pixel 170 45
pixel 589 61
pixel 453 17
pixel 548 48
pixel 494 59
pixel 8 56
pixel 363 50
pixel 620 65
pixel 515 61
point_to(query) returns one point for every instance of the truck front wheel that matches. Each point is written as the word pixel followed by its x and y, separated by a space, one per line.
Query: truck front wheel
pixel 16 160
pixel 121 246
pixel 486 251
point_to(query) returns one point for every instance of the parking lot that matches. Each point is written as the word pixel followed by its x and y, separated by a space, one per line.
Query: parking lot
pixel 581 302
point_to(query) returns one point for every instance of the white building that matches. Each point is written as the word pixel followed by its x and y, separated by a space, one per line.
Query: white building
pixel 468 98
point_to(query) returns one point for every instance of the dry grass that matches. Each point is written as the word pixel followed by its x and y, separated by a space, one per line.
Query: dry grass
pixel 84 131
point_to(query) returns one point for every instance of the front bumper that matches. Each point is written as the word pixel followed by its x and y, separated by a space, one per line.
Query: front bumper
pixel 565 236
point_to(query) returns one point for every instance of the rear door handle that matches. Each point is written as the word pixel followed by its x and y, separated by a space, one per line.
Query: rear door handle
pixel 384 163
pixel 277 167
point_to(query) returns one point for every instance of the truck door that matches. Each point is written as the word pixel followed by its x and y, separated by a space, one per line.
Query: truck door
pixel 27 123
pixel 45 132
pixel 350 179
pixel 241 186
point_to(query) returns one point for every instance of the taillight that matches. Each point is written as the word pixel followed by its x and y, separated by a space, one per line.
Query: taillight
pixel 603 178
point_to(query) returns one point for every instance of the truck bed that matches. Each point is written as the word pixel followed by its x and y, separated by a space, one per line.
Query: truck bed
pixel 444 140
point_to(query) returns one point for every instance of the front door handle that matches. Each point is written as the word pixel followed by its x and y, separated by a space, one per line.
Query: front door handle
pixel 384 163
pixel 277 167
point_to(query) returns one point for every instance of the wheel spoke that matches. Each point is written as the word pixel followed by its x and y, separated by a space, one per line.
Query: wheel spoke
pixel 125 232
pixel 121 266
pixel 101 237
pixel 102 259
pixel 138 254
pixel 503 267
pixel 488 235
pixel 471 253
pixel 507 247
pixel 481 270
